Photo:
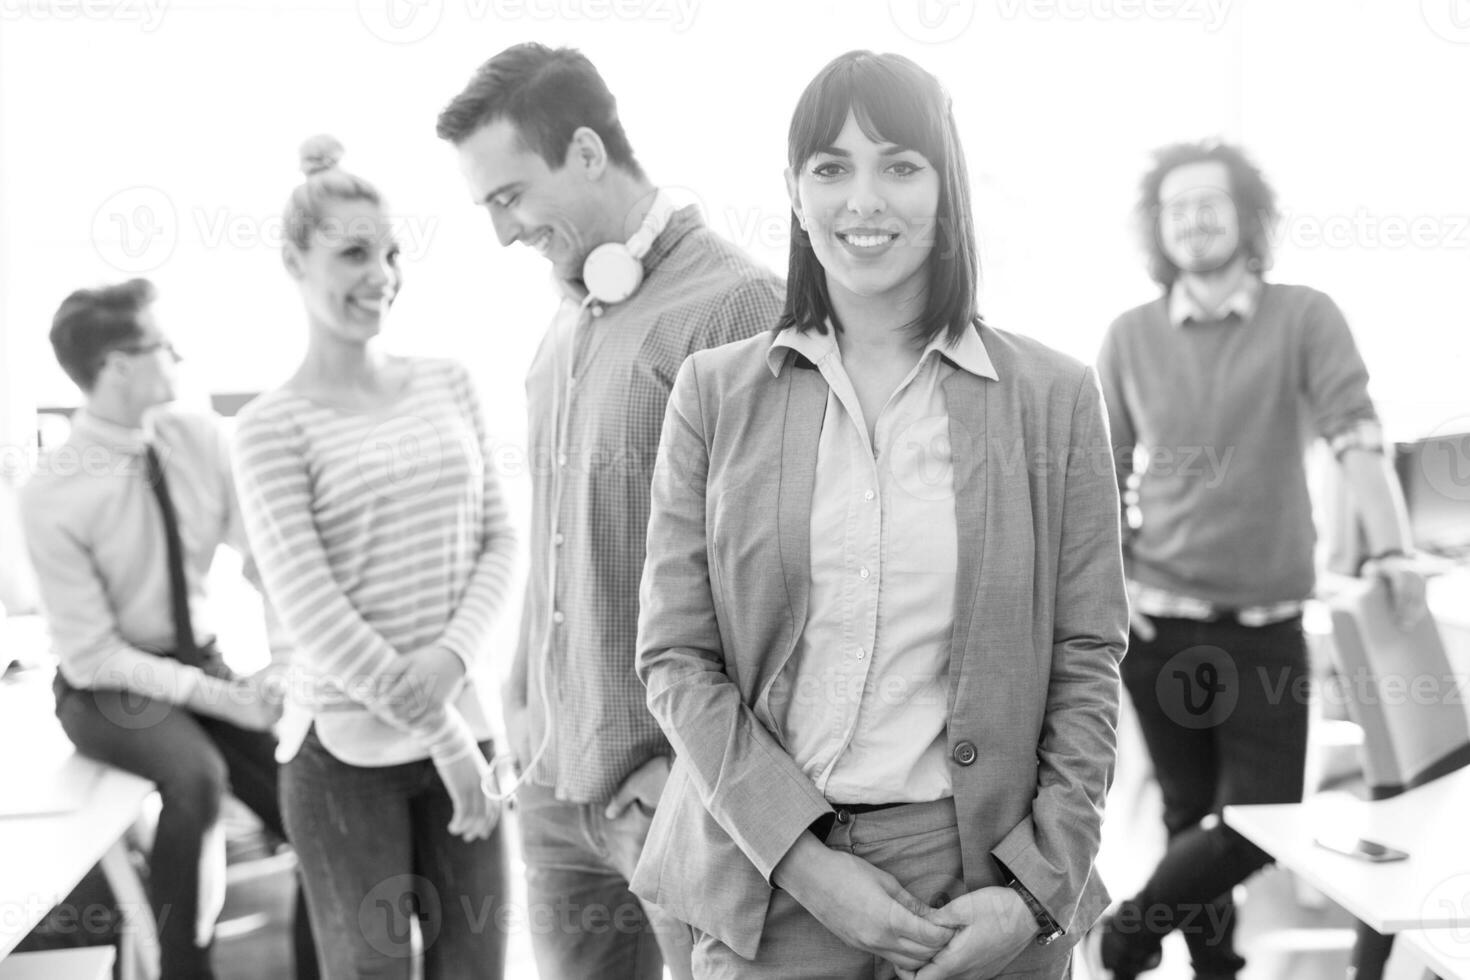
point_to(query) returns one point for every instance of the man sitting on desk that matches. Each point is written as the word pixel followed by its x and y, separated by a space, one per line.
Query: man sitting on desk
pixel 1224 379
pixel 122 522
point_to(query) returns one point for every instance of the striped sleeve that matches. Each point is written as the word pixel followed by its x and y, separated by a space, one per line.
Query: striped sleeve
pixel 327 632
pixel 489 584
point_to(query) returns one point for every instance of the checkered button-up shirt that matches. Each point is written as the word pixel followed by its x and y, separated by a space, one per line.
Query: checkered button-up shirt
pixel 596 392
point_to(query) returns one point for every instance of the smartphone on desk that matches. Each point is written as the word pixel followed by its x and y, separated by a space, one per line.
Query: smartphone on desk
pixel 1360 848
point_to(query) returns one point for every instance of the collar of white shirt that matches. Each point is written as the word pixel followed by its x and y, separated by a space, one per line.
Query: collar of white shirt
pixel 88 428
pixel 1242 301
pixel 967 353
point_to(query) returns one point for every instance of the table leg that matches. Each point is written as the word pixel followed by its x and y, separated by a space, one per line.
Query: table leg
pixel 138 957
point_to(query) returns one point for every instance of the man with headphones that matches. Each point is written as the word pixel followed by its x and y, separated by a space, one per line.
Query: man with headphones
pixel 643 285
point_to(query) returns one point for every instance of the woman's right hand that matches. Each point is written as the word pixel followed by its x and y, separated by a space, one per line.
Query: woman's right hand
pixel 465 774
pixel 862 905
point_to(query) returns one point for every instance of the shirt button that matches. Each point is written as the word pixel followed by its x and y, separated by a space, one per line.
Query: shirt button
pixel 863 572
pixel 861 653
pixel 869 495
pixel 561 459
pixel 597 309
pixel 558 617
pixel 558 539
pixel 964 753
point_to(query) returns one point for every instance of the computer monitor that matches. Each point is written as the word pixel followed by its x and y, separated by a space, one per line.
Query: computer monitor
pixel 1435 475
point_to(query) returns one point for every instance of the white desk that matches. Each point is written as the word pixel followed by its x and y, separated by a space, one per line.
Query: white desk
pixel 1429 890
pixel 44 856
pixel 1449 601
pixel 1445 951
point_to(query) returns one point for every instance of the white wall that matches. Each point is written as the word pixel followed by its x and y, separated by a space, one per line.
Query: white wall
pixel 175 123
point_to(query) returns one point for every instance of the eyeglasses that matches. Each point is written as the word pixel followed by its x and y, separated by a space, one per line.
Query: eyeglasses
pixel 154 346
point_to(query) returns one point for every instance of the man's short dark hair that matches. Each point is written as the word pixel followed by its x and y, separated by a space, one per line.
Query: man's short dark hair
pixel 91 322
pixel 548 94
pixel 1255 204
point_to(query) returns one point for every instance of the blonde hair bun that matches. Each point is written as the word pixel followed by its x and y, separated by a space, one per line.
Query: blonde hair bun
pixel 320 152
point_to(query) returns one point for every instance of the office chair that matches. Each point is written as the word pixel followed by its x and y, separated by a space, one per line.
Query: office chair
pixel 1408 739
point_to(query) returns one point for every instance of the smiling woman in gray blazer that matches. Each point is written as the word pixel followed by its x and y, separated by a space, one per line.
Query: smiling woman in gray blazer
pixel 883 602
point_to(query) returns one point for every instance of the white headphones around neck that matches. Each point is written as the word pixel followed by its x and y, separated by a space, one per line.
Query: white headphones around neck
pixel 614 271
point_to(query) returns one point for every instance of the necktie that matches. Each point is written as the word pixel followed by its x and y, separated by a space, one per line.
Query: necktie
pixel 185 649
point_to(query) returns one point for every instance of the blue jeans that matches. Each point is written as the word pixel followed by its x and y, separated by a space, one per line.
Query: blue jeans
pixel 584 921
pixel 376 853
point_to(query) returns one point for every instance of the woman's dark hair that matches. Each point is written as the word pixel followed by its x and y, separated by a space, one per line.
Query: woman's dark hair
pixel 1255 205
pixel 548 94
pixel 91 322
pixel 894 101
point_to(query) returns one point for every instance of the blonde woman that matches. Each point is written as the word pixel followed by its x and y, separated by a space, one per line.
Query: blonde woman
pixel 384 545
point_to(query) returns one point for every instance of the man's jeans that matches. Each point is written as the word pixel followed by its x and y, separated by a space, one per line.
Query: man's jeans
pixel 584 921
pixel 1223 708
pixel 193 759
pixel 376 852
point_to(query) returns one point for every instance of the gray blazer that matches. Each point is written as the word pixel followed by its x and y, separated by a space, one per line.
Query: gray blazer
pixel 1040 626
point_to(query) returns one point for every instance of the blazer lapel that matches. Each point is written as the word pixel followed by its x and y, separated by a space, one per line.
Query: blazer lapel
pixel 806 405
pixel 965 400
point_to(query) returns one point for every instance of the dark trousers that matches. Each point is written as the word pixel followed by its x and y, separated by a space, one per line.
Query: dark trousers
pixel 193 760
pixel 376 852
pixel 1223 709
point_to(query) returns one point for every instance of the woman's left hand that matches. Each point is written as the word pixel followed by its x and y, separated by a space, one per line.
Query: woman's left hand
pixel 993 927
pixel 424 681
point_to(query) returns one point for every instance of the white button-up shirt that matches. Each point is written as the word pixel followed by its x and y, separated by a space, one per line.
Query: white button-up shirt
pixel 863 700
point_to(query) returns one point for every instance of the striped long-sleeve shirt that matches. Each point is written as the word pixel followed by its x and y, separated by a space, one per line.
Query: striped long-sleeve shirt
pixel 376 534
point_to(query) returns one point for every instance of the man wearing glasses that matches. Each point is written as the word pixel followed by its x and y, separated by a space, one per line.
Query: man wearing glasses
pixel 1224 380
pixel 122 522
